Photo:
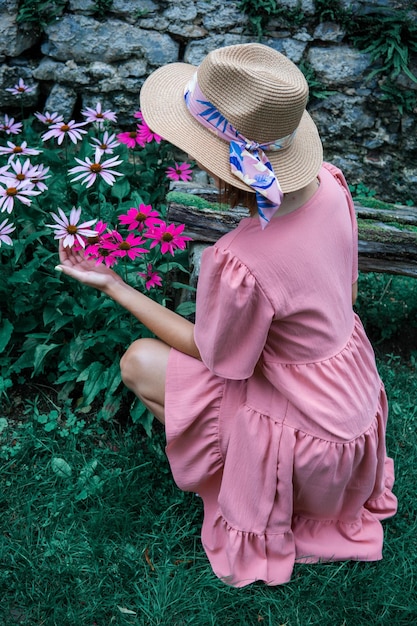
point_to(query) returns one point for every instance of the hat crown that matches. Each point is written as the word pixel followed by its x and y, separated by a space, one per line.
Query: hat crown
pixel 275 92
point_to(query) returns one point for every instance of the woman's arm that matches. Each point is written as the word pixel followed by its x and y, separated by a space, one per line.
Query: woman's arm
pixel 170 327
pixel 354 292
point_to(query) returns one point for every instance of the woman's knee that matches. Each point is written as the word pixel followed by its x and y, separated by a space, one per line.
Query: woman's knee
pixel 143 363
pixel 133 363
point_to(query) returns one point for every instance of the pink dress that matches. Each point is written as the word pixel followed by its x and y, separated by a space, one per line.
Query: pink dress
pixel 281 428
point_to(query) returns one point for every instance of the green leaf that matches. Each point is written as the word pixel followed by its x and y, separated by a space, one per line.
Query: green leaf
pixel 5 334
pixel 40 354
pixel 185 308
pixel 61 468
pixel 95 380
pixel 140 415
pixel 120 189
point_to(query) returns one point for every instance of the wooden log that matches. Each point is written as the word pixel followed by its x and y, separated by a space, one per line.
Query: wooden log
pixel 387 233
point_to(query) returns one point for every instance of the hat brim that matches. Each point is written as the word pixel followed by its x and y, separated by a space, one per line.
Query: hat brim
pixel 165 112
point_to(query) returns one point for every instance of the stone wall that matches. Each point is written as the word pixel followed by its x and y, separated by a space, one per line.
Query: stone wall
pixel 80 59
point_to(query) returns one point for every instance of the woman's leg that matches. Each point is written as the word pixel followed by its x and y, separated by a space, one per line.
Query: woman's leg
pixel 143 368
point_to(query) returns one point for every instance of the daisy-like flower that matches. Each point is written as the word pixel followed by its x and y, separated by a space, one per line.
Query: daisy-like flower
pixel 69 230
pixel 168 236
pixel 180 171
pixel 106 144
pixel 138 115
pixel 10 127
pixel 125 247
pixel 90 170
pixel 18 150
pixel 20 88
pixel 60 130
pixel 49 118
pixel 5 229
pixel 21 171
pixel 145 135
pixel 15 190
pixel 138 217
pixel 95 249
pixel 99 116
pixel 39 175
pixel 151 278
pixel 130 138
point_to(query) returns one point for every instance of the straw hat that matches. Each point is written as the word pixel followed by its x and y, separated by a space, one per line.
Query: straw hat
pixel 261 92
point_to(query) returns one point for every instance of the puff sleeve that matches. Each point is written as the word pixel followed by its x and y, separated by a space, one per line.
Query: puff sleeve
pixel 339 176
pixel 233 316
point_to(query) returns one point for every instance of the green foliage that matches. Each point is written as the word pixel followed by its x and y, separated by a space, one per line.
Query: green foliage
pixel 102 7
pixel 389 36
pixel 39 12
pixel 54 328
pixel 387 305
pixel 260 12
pixel 316 88
pixel 332 12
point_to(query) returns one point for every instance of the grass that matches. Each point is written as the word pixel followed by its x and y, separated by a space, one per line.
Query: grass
pixel 95 533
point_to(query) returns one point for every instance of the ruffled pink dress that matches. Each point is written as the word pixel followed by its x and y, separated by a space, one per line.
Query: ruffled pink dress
pixel 281 427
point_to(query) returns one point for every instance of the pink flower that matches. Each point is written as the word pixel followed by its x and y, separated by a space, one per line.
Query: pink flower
pixel 22 171
pixel 145 135
pixel 138 217
pixel 5 230
pixel 130 139
pixel 18 150
pixel 69 230
pixel 37 177
pixel 90 171
pixel 15 190
pixel 97 250
pixel 138 115
pixel 99 116
pixel 152 279
pixel 169 237
pixel 125 247
pixel 49 118
pixel 181 171
pixel 107 144
pixel 59 130
pixel 11 127
pixel 20 88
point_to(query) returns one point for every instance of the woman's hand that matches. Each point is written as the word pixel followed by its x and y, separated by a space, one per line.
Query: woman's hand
pixel 76 265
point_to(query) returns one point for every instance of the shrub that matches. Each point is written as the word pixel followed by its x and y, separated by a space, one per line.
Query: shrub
pixel 90 187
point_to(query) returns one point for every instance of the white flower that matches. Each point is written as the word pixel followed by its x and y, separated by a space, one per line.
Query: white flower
pixel 69 230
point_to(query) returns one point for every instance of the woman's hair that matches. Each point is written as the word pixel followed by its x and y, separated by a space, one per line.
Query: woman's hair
pixel 237 197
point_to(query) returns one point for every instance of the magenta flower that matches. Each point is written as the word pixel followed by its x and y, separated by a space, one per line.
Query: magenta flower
pixel 49 118
pixel 39 175
pixel 106 144
pixel 151 278
pixel 180 171
pixel 130 139
pixel 15 190
pixel 169 237
pixel 125 247
pixel 97 250
pixel 59 131
pixel 89 170
pixel 69 230
pixel 20 88
pixel 99 116
pixel 10 127
pixel 138 115
pixel 145 135
pixel 138 217
pixel 5 229
pixel 18 150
